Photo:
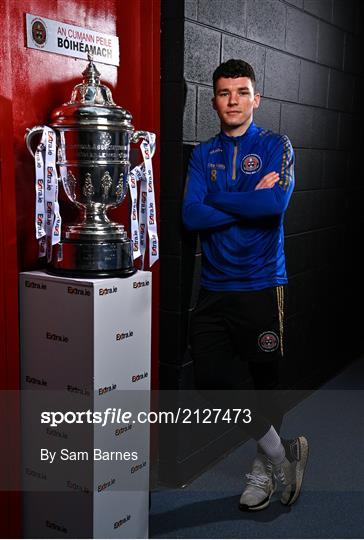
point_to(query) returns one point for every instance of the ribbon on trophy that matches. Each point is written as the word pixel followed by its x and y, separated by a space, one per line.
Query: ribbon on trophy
pixel 144 221
pixel 47 215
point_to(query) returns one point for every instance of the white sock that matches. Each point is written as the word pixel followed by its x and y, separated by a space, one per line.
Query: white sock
pixel 272 446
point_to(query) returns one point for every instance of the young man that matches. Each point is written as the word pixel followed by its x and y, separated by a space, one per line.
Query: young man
pixel 238 187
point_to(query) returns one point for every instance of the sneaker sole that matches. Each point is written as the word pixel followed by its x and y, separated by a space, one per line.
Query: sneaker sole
pixel 260 506
pixel 301 466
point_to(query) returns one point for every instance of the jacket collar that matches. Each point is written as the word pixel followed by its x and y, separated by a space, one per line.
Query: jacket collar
pixel 252 129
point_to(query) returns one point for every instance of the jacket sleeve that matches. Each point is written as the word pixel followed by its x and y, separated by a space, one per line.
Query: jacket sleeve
pixel 197 215
pixel 262 202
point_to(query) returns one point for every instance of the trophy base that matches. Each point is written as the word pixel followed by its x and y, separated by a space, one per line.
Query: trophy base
pixel 92 260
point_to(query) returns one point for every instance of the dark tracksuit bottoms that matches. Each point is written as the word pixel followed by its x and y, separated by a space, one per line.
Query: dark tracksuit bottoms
pixel 248 324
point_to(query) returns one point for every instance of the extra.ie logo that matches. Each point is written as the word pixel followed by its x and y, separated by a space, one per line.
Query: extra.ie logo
pixel 121 522
pixel 138 284
pixel 136 468
pixel 35 285
pixel 79 292
pixel 110 290
pixel 139 376
pixel 124 335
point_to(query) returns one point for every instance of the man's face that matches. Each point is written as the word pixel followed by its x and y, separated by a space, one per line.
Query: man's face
pixel 234 102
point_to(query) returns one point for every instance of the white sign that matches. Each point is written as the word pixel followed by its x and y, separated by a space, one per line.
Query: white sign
pixel 61 38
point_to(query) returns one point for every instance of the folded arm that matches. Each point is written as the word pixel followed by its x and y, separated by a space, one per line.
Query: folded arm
pixel 196 214
pixel 261 202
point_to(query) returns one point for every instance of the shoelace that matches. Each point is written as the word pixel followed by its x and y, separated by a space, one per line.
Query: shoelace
pixel 279 474
pixel 256 479
pixel 284 476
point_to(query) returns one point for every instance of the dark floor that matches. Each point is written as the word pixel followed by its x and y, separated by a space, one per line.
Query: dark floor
pixel 331 504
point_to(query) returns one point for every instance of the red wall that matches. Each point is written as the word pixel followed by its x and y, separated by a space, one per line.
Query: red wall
pixel 33 83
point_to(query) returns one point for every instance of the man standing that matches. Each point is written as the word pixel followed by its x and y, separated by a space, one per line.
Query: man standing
pixel 238 188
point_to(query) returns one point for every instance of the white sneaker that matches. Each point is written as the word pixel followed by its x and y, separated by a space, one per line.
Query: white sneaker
pixel 290 472
pixel 260 486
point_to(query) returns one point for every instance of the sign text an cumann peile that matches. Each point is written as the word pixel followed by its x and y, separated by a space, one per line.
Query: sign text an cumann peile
pixel 61 38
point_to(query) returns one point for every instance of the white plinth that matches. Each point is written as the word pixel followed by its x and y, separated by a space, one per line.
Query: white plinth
pixel 87 340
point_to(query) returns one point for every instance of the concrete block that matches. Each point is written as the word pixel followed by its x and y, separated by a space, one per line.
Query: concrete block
pixel 298 214
pixel 296 122
pixel 208 123
pixel 297 3
pixel 330 45
pixel 332 207
pixel 228 15
pixel 313 84
pixel 358 92
pixel 308 169
pixel 189 116
pixel 191 7
pixel 301 34
pixel 351 174
pixel 352 58
pixel 282 74
pixel 348 131
pixel 335 168
pixel 266 22
pixel 359 18
pixel 341 91
pixel 268 114
pixel 324 128
pixel 250 52
pixel 300 252
pixel 320 8
pixel 202 53
pixel 344 14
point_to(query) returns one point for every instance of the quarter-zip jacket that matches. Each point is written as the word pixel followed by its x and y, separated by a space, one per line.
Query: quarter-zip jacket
pixel 241 228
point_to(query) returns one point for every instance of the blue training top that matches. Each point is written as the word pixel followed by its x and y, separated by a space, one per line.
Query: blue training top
pixel 241 229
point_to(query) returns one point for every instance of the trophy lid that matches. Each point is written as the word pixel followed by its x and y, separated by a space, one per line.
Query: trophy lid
pixel 91 104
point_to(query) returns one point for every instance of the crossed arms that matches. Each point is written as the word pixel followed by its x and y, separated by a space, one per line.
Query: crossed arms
pixel 203 210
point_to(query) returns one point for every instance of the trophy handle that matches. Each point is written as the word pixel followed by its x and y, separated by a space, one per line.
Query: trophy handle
pixel 143 135
pixel 29 136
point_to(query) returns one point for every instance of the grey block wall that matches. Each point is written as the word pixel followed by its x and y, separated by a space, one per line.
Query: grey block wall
pixel 306 57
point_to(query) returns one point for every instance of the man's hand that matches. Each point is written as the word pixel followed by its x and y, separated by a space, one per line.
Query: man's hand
pixel 268 181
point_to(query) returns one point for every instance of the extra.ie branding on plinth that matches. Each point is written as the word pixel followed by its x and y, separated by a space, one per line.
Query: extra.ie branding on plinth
pixel 81 391
pixel 105 291
pixel 122 430
pixel 106 389
pixel 56 337
pixel 121 335
pixel 35 285
pixel 139 376
pixel 140 284
pixel 78 291
pixel 36 381
pixel 122 521
pixel 106 485
pixel 56 526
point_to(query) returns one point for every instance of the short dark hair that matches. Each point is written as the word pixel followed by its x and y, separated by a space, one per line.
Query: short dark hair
pixel 232 69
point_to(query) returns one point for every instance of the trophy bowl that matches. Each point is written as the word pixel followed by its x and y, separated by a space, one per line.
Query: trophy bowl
pixel 93 137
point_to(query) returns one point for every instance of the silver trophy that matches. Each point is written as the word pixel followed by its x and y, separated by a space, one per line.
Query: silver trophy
pixel 93 147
